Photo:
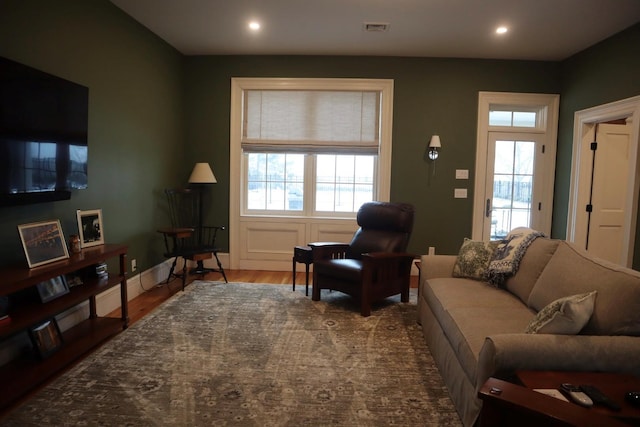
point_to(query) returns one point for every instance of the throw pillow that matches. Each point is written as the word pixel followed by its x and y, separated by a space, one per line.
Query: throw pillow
pixel 473 259
pixel 565 316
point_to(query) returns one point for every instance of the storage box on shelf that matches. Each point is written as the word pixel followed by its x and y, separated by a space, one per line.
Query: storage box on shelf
pixel 23 374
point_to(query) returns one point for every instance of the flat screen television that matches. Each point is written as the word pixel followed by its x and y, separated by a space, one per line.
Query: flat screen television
pixel 43 135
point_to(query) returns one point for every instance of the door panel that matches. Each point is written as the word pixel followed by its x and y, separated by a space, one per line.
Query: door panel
pixel 610 180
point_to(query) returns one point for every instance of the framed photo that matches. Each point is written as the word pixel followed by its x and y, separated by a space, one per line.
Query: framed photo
pixel 52 288
pixel 43 242
pixel 46 338
pixel 90 228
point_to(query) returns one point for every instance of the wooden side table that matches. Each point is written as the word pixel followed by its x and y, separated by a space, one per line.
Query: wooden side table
pixel 303 255
pixel 508 404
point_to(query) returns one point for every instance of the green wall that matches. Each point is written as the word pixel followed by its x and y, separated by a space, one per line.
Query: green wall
pixel 135 116
pixel 431 95
pixel 153 113
pixel 607 72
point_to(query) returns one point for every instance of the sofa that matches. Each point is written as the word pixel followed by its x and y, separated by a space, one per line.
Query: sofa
pixel 476 329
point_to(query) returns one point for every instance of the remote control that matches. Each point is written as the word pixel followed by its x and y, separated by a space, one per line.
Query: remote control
pixel 599 398
pixel 577 395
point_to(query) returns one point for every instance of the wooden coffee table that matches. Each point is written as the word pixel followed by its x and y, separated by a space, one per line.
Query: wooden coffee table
pixel 506 403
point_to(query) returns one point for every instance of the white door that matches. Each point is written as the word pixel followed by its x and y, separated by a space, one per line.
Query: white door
pixel 513 183
pixel 604 178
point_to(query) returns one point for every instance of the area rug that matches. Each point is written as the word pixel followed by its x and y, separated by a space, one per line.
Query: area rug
pixel 249 354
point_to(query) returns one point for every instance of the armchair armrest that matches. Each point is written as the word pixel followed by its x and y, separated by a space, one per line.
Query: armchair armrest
pixel 328 250
pixel 177 233
pixel 506 353
pixel 208 237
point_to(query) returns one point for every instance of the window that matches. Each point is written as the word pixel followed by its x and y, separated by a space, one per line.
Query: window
pixel 525 119
pixel 313 149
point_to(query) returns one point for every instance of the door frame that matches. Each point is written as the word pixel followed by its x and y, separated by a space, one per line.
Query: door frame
pixel 551 103
pixel 626 108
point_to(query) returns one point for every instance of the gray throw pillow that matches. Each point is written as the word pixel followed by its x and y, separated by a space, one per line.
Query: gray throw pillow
pixel 564 316
pixel 474 258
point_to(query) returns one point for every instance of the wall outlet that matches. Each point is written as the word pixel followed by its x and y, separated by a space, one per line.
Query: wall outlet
pixel 134 265
pixel 432 250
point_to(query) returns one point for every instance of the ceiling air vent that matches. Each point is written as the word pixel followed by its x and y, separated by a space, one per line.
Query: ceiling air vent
pixel 376 27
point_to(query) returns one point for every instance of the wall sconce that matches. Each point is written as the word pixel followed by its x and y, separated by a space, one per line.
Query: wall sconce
pixel 434 144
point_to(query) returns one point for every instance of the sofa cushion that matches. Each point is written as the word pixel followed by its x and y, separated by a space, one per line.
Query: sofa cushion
pixel 533 262
pixel 469 310
pixel 473 259
pixel 571 271
pixel 564 316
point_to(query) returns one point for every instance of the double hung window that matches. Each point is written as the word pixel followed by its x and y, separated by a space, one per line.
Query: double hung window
pixel 314 147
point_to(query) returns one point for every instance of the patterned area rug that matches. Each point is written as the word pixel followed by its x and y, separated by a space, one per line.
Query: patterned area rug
pixel 247 354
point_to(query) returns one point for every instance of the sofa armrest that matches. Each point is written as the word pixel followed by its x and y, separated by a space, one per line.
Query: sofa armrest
pixel 502 355
pixel 436 266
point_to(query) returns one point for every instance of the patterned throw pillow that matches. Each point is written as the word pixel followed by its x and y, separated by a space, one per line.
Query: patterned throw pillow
pixel 473 259
pixel 565 316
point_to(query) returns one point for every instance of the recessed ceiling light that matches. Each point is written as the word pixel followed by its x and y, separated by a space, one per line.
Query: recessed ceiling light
pixel 501 30
pixel 254 25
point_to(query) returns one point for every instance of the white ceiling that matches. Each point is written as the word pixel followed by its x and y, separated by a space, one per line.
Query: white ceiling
pixel 538 29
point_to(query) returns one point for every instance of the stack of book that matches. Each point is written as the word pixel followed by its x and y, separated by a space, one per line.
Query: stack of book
pixel 101 269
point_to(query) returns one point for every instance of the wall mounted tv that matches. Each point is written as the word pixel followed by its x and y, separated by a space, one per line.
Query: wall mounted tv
pixel 43 135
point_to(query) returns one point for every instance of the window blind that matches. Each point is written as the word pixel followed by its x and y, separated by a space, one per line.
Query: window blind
pixel 311 121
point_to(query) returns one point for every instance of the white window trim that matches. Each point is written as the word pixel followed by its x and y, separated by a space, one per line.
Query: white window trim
pixel 547 125
pixel 238 85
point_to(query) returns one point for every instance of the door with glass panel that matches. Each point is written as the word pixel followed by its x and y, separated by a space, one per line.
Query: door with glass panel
pixel 511 193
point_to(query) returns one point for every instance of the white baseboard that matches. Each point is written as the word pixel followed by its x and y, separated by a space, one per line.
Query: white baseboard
pixel 109 300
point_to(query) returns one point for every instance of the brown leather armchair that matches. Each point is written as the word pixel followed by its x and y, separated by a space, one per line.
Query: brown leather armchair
pixel 374 266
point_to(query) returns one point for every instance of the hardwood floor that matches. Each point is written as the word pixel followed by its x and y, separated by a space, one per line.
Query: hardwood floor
pixel 143 304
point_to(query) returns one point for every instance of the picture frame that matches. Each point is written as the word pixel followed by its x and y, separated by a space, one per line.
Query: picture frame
pixel 43 242
pixel 90 228
pixel 46 338
pixel 52 288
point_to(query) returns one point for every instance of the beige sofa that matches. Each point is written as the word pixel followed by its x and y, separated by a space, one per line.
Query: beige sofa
pixel 475 330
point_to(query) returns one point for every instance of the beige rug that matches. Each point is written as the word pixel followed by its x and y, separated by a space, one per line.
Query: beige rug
pixel 248 354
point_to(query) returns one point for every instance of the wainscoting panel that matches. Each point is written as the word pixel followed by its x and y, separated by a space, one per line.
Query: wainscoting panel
pixel 267 243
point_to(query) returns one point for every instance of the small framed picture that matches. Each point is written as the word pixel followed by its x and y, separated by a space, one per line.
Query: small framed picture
pixel 53 288
pixel 90 228
pixel 43 242
pixel 46 338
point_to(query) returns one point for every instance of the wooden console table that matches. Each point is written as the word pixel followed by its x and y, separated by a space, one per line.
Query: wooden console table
pixel 28 371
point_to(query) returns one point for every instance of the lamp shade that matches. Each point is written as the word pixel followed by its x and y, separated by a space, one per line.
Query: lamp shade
pixel 435 142
pixel 202 174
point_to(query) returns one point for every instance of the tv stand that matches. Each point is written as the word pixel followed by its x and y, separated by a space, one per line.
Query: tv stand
pixel 28 371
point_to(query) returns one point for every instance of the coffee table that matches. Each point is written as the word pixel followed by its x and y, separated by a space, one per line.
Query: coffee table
pixel 506 403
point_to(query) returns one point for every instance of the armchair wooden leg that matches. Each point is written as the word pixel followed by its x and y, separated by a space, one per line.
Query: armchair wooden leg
pixel 404 296
pixel 172 270
pixel 315 290
pixel 365 308
pixel 220 268
pixel 184 274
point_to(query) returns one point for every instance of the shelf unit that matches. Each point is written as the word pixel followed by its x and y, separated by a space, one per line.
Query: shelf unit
pixel 25 373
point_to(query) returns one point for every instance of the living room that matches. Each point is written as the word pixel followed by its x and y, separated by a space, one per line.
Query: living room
pixel 154 113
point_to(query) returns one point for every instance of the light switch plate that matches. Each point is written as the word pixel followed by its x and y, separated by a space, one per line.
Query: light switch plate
pixel 460 193
pixel 462 173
